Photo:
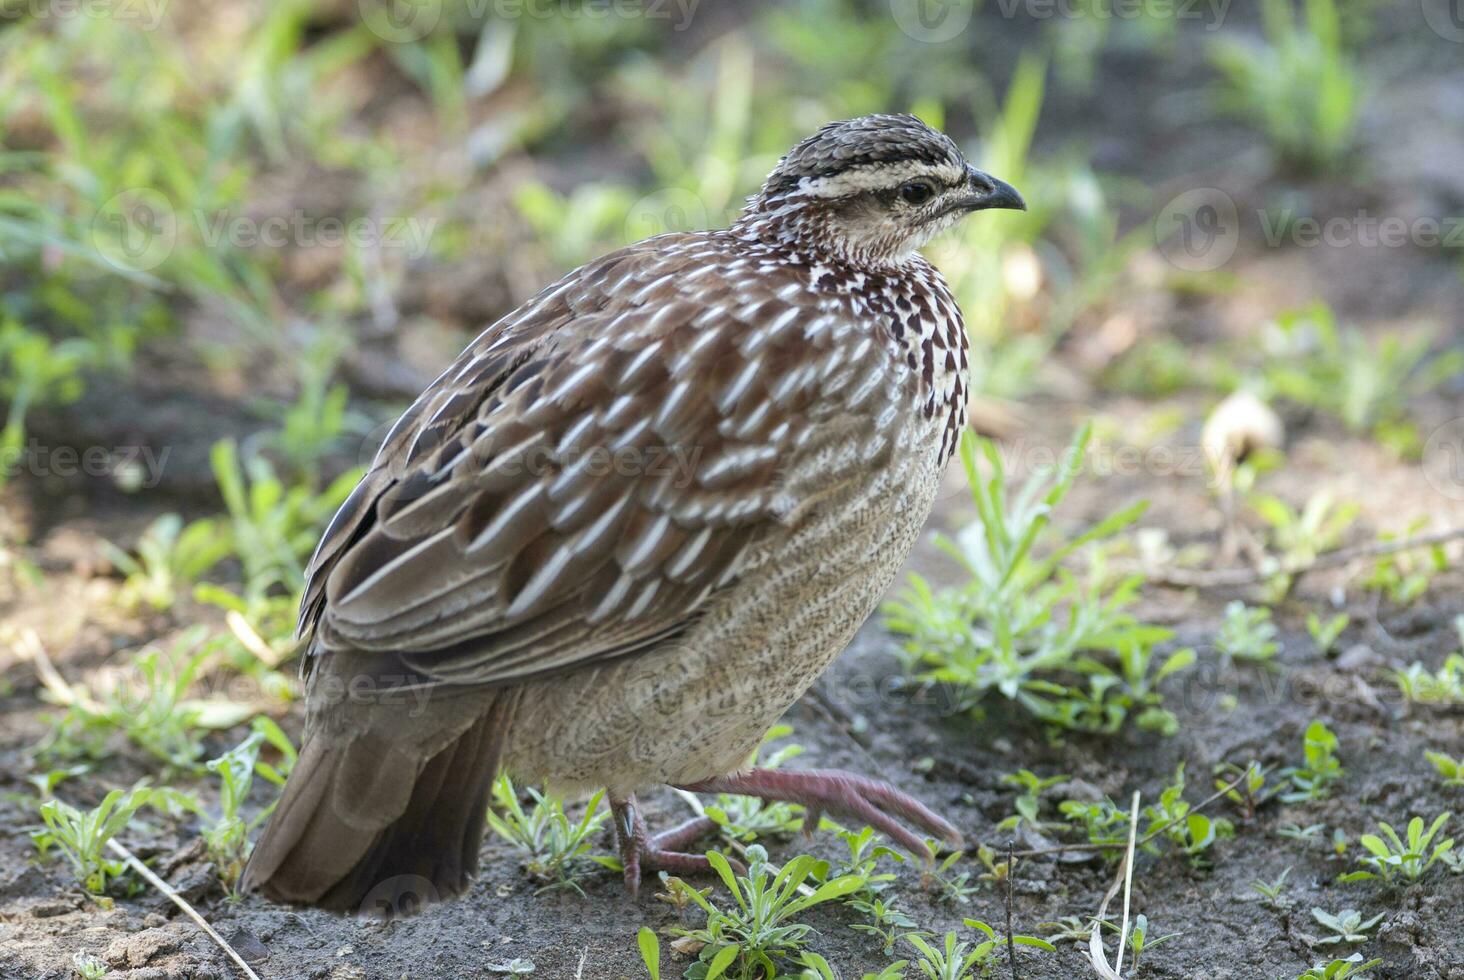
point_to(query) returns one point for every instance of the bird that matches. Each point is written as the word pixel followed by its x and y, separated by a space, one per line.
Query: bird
pixel 629 526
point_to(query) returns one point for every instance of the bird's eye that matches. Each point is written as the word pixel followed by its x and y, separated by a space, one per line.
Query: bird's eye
pixel 916 191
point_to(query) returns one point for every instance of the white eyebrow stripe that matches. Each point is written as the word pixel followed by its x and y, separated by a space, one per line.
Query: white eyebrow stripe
pixel 876 176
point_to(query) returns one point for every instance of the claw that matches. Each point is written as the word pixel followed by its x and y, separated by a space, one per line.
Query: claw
pixel 640 852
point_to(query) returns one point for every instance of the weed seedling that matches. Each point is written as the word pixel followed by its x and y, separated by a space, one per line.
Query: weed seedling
pixel 956 959
pixel 1406 859
pixel 1029 800
pixel 1272 892
pixel 1324 634
pixel 555 846
pixel 1347 926
pixel 88 967
pixel 1192 832
pixel 1313 780
pixel 1349 969
pixel 170 558
pixel 82 836
pixel 1451 769
pixel 1247 634
pixel 1251 792
pixel 759 935
pixel 1446 686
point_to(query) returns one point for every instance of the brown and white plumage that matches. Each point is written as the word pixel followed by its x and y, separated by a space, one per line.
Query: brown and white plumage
pixel 635 519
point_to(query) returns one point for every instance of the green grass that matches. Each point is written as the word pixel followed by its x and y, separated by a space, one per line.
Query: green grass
pixel 1025 626
pixel 1300 87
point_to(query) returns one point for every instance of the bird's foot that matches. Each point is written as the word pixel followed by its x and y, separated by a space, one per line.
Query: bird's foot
pixel 641 852
pixel 840 794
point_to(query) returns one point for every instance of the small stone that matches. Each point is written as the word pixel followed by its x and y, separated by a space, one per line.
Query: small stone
pixel 51 907
pixel 140 948
pixel 1358 657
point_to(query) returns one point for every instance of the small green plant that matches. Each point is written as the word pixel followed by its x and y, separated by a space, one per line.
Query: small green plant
pixel 148 703
pixel 1297 538
pixel 226 833
pixel 1139 938
pixel 1310 834
pixel 1024 624
pixel 1101 823
pixel 1451 769
pixel 1348 969
pixel 883 921
pixel 170 557
pixel 1321 770
pixel 1069 928
pixel 1247 634
pixel 1189 830
pixel 89 967
pixel 951 881
pixel 758 935
pixel 1402 859
pixel 1347 926
pixel 1444 686
pixel 1029 800
pixel 957 959
pixel 1273 893
pixel 1324 633
pixel 556 848
pixel 82 835
pixel 1299 88
pixel 1403 576
pixel 1345 372
pixel 1250 791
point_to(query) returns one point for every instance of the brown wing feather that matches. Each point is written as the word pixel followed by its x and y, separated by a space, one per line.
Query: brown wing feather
pixel 596 466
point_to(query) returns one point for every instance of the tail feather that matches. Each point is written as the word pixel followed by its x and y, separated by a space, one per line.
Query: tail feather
pixel 369 820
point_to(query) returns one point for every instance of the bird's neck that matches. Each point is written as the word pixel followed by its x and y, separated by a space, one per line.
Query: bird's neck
pixel 798 224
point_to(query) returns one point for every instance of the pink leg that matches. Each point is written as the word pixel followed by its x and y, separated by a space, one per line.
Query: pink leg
pixel 842 794
pixel 641 852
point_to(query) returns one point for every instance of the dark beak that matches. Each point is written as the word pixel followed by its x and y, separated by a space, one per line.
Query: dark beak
pixel 987 192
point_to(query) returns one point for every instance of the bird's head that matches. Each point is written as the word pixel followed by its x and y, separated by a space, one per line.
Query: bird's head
pixel 870 191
